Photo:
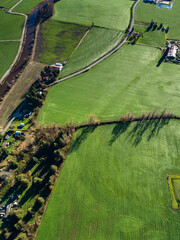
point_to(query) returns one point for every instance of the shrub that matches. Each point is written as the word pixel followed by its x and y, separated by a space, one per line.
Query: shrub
pixel 51 187
pixel 35 160
pixel 61 142
pixel 21 179
pixel 40 201
pixel 22 236
pixel 16 215
pixel 58 155
pixel 19 225
pixel 13 164
pixel 37 181
pixel 53 169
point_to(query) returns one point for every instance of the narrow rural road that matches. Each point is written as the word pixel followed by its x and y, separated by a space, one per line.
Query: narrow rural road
pixel 21 41
pixel 108 54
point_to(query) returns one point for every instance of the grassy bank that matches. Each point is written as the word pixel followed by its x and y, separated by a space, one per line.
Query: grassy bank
pixel 114 185
pixel 128 81
pixel 8 51
pixel 57 40
pixel 97 43
pixel 103 13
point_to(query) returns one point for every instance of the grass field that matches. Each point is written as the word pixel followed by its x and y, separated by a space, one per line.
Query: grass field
pixel 152 38
pixel 8 3
pixel 146 12
pixel 113 185
pixel 97 43
pixel 58 40
pixel 8 51
pixel 27 5
pixel 11 26
pixel 103 13
pixel 128 81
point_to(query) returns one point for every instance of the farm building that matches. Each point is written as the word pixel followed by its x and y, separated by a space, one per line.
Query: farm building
pixel 57 66
pixel 21 125
pixel 172 51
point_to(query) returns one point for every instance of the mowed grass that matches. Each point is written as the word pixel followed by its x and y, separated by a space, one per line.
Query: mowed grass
pixel 8 51
pixel 27 5
pixel 10 26
pixel 114 14
pixel 97 43
pixel 58 40
pixel 146 12
pixel 128 81
pixel 8 3
pixel 113 185
pixel 152 38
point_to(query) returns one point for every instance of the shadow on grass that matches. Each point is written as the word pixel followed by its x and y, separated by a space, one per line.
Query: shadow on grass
pixel 135 135
pixel 119 129
pixel 162 58
pixel 152 127
pixel 81 138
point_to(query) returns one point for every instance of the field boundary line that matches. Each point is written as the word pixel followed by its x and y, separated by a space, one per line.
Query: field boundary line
pixel 86 33
pixel 129 30
pixel 171 188
pixel 21 40
pixel 18 40
pixel 129 119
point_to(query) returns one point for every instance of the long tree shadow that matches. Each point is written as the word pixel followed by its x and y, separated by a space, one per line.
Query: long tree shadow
pixel 162 58
pixel 119 129
pixel 152 126
pixel 81 138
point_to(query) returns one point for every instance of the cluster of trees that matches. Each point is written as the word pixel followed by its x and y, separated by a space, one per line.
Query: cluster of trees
pixel 153 25
pixel 46 153
pixel 36 94
pixel 49 75
pixel 46 10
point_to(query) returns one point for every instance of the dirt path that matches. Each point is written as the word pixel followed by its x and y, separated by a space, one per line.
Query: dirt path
pixel 21 41
pixel 108 54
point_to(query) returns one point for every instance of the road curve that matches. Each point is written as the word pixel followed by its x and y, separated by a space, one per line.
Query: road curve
pixel 21 41
pixel 108 54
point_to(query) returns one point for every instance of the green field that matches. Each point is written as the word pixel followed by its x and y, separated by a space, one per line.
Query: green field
pixel 10 26
pixel 114 14
pixel 8 51
pixel 58 40
pixel 146 12
pixel 128 81
pixel 113 185
pixel 8 3
pixel 97 43
pixel 27 5
pixel 152 38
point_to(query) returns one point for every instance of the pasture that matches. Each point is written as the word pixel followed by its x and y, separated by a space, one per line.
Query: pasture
pixel 113 185
pixel 128 81
pixel 8 51
pixel 152 38
pixel 146 12
pixel 97 43
pixel 26 6
pixel 57 40
pixel 11 26
pixel 103 13
pixel 8 3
